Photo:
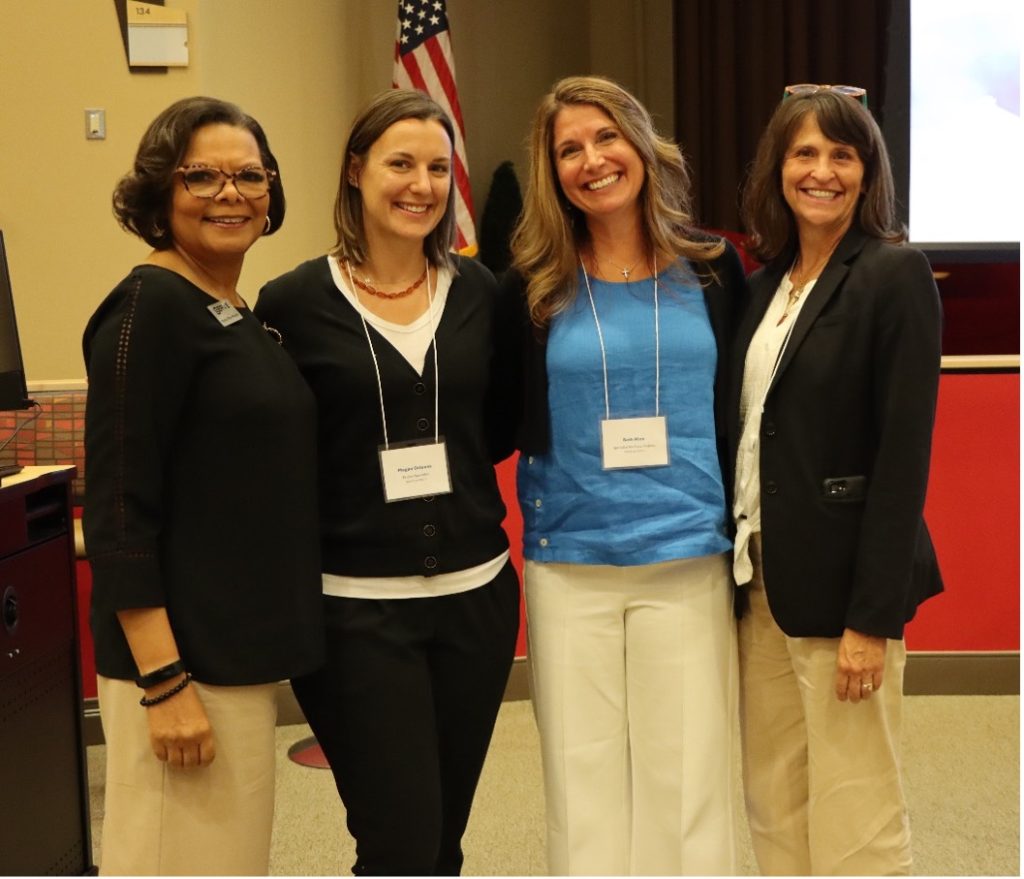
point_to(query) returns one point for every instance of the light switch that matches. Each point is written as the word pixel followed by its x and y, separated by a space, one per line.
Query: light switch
pixel 95 124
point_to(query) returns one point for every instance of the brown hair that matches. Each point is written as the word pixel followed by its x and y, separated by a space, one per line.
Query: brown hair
pixel 142 198
pixel 383 111
pixel 843 119
pixel 551 229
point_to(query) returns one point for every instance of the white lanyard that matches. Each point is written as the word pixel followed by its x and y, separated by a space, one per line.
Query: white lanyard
pixel 376 366
pixel 628 443
pixel 604 356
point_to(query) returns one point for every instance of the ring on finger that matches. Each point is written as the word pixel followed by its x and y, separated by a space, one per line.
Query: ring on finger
pixel 868 686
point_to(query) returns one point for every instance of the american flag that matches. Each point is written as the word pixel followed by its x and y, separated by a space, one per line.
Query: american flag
pixel 423 61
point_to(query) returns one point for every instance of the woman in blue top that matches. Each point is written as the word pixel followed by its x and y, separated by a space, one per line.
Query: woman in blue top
pixel 629 594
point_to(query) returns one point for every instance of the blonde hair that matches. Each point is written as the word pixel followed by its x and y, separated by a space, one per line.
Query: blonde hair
pixel 551 229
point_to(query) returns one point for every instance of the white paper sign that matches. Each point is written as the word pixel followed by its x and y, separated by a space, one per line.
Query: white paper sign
pixel 634 442
pixel 416 470
pixel 157 36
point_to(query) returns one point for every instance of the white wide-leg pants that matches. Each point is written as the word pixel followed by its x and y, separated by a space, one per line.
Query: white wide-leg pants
pixel 634 678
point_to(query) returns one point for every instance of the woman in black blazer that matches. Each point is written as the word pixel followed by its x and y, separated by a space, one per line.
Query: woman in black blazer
pixel 836 368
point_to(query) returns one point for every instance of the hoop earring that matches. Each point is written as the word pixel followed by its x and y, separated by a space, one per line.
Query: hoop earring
pixel 267 225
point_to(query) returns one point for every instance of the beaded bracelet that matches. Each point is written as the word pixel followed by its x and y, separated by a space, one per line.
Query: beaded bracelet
pixel 158 676
pixel 147 702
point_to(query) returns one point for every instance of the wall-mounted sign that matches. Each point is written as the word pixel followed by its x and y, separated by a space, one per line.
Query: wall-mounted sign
pixel 157 36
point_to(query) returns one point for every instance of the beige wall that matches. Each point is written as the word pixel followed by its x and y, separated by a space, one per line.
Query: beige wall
pixel 302 67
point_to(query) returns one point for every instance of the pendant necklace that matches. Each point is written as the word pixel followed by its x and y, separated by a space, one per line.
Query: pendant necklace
pixel 622 270
pixel 797 290
pixel 794 297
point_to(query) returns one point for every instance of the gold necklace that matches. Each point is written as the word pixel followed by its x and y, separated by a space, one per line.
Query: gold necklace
pixel 794 297
pixel 622 270
pixel 797 290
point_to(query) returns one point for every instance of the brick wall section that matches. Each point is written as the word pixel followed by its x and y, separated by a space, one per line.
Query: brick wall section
pixel 57 436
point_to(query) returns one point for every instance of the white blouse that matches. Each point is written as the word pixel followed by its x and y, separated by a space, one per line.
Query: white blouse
pixel 763 357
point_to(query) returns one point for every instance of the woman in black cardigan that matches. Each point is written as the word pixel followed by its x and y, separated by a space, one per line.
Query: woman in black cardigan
pixel 398 340
pixel 835 376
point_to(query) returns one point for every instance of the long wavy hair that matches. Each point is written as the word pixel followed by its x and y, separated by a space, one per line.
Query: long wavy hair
pixel 383 111
pixel 769 220
pixel 551 229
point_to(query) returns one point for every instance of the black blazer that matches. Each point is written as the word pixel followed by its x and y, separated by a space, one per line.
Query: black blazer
pixel 846 441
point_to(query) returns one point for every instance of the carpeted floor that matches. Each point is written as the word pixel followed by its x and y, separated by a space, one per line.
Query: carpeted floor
pixel 961 759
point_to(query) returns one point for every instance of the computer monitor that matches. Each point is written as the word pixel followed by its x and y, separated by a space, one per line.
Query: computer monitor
pixel 13 390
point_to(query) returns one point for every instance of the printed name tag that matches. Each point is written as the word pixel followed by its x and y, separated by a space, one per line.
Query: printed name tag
pixel 225 312
pixel 634 442
pixel 415 470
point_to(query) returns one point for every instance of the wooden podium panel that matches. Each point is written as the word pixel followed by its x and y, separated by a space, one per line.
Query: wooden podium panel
pixel 44 790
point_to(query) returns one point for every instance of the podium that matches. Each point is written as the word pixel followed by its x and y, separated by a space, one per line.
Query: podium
pixel 44 789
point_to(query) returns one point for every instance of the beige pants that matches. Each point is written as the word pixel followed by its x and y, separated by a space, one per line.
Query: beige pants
pixel 822 777
pixel 634 686
pixel 215 820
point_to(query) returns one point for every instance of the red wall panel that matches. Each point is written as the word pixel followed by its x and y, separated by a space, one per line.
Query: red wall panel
pixel 973 511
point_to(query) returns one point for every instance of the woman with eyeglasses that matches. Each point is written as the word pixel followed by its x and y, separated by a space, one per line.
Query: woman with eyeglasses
pixel 834 380
pixel 200 509
pixel 401 343
pixel 628 594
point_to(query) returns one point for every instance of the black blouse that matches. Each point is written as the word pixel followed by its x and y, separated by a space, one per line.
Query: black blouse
pixel 201 485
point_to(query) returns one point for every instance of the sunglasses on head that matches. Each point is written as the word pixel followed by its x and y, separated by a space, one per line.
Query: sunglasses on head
pixel 809 88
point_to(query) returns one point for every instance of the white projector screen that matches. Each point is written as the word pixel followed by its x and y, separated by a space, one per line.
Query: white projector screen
pixel 966 145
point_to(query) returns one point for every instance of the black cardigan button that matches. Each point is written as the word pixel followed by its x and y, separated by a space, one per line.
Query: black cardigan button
pixel 419 388
pixel 430 563
pixel 769 429
pixel 429 530
pixel 422 423
pixel 771 488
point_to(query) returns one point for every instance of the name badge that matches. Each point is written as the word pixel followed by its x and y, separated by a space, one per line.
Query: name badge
pixel 415 470
pixel 634 442
pixel 225 312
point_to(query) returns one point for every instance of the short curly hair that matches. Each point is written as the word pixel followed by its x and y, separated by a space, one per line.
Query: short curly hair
pixel 142 197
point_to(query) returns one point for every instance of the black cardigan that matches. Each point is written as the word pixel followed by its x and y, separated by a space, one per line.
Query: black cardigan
pixel 725 293
pixel 201 488
pixel 361 534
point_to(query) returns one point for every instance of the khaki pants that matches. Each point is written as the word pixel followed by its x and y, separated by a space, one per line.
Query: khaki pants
pixel 634 685
pixel 821 777
pixel 164 820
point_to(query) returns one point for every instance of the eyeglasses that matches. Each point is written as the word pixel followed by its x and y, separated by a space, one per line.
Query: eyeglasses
pixel 809 88
pixel 203 182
